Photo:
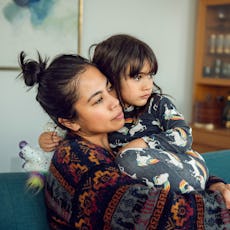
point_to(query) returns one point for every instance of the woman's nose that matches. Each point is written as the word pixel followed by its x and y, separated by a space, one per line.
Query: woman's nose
pixel 114 102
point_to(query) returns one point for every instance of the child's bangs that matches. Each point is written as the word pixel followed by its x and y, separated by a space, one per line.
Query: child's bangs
pixel 136 65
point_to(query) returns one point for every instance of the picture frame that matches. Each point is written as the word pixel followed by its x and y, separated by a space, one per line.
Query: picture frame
pixel 47 27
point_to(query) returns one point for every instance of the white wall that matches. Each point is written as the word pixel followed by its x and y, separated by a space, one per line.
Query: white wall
pixel 168 26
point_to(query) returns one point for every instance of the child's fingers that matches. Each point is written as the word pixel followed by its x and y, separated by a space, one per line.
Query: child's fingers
pixel 55 138
pixel 48 141
pixel 49 147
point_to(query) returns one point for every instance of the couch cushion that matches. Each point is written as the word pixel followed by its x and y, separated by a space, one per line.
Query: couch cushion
pixel 219 163
pixel 20 209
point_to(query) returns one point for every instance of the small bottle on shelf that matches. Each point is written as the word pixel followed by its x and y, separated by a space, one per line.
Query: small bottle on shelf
pixel 207 71
pixel 220 44
pixel 217 67
pixel 226 113
pixel 227 44
pixel 212 44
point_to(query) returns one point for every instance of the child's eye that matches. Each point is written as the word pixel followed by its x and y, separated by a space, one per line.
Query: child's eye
pixel 110 88
pixel 151 75
pixel 137 77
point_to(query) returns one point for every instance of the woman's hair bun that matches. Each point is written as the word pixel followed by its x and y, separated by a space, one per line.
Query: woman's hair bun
pixel 31 70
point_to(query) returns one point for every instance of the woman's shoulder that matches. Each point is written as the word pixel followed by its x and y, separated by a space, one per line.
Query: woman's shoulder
pixel 75 147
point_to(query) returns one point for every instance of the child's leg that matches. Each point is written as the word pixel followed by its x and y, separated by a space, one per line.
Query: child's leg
pixel 177 172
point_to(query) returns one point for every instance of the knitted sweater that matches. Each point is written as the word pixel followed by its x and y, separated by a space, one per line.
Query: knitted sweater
pixel 86 190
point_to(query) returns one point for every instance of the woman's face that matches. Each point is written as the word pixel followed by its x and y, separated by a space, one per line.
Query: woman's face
pixel 98 109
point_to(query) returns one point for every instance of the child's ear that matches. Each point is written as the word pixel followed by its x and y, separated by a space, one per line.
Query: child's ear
pixel 72 125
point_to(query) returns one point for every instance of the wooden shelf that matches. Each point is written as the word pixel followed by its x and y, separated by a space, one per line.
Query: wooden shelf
pixel 205 140
pixel 209 92
pixel 214 81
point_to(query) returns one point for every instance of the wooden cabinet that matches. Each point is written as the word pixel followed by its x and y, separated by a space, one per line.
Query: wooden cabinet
pixel 205 140
pixel 211 84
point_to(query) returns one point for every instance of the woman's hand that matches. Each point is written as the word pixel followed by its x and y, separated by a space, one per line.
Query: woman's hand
pixel 48 141
pixel 224 189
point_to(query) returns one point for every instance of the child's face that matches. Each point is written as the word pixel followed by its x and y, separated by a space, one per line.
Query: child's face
pixel 99 111
pixel 136 91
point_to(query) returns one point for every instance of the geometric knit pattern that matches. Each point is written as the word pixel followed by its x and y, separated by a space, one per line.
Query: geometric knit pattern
pixel 86 190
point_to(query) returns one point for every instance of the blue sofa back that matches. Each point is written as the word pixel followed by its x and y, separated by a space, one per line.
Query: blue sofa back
pixel 218 163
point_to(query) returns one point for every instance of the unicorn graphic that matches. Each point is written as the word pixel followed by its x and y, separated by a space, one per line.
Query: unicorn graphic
pixel 162 181
pixel 137 128
pixel 173 159
pixel 185 187
pixel 196 173
pixel 145 160
pixel 171 114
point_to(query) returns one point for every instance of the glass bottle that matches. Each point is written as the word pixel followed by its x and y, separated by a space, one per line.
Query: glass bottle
pixel 217 67
pixel 226 113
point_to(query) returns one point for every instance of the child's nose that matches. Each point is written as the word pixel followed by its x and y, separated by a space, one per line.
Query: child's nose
pixel 147 83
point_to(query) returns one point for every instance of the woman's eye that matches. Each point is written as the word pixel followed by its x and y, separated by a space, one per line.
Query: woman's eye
pixel 98 101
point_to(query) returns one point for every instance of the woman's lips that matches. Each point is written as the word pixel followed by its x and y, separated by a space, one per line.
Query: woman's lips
pixel 119 116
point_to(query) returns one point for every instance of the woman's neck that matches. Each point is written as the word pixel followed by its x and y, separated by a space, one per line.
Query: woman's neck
pixel 97 139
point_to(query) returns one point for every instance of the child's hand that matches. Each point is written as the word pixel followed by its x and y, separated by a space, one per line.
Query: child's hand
pixel 137 143
pixel 224 189
pixel 48 141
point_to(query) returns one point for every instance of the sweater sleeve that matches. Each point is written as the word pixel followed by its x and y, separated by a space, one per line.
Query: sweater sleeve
pixel 176 135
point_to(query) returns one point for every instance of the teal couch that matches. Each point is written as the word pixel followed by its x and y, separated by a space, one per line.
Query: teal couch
pixel 22 210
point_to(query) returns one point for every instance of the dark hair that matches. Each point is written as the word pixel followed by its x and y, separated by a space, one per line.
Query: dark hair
pixel 57 83
pixel 114 55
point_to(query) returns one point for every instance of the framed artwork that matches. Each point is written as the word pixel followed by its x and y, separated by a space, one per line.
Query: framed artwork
pixel 50 27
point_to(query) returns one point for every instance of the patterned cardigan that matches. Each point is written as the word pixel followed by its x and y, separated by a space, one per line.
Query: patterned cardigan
pixel 86 190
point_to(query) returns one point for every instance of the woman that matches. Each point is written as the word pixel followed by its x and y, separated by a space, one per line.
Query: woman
pixel 84 188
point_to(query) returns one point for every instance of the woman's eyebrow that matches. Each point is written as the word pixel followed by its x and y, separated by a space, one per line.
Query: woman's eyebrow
pixel 98 92
pixel 95 94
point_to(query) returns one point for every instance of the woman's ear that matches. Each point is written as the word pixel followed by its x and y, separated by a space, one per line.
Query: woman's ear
pixel 72 125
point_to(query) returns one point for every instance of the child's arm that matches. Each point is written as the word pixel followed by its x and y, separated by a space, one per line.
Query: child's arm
pixel 48 141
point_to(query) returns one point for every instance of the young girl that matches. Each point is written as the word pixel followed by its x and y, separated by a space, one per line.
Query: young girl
pixel 85 188
pixel 155 142
pixel 151 119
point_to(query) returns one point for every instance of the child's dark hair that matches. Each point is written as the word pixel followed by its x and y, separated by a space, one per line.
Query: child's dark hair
pixel 57 83
pixel 117 53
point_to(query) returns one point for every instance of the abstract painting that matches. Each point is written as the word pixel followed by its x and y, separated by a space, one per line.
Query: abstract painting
pixel 47 26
